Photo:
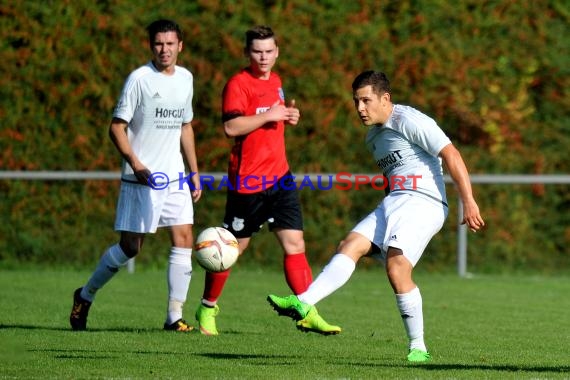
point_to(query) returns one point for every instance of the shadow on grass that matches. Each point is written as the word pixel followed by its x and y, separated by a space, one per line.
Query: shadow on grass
pixel 263 360
pixel 54 328
pixel 491 367
pixel 469 367
pixel 112 329
pixel 144 352
pixel 426 366
pixel 227 356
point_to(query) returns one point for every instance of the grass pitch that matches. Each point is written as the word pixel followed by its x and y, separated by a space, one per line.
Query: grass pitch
pixel 485 327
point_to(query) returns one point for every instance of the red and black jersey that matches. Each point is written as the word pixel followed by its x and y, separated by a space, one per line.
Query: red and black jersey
pixel 259 157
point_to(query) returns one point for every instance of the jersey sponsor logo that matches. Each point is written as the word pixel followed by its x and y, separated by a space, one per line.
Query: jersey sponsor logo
pixel 259 110
pixel 389 159
pixel 165 113
pixel 167 125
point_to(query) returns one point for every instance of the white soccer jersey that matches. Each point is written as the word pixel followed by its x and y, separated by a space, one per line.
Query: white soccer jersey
pixel 155 106
pixel 406 148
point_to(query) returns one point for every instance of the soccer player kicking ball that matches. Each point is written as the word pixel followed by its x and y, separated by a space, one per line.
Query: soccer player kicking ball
pixel 410 145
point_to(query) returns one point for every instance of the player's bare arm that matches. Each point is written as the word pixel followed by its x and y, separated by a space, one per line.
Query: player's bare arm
pixel 458 172
pixel 118 134
pixel 189 150
pixel 242 125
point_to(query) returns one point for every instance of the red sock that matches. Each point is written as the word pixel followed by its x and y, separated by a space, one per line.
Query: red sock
pixel 298 273
pixel 214 285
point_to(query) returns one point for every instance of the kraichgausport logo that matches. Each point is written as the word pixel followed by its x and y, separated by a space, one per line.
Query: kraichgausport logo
pixel 340 181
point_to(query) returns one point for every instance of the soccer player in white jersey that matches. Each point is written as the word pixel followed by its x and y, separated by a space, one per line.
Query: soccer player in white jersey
pixel 408 146
pixel 151 128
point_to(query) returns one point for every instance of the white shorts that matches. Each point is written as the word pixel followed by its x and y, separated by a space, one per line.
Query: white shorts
pixel 403 221
pixel 143 209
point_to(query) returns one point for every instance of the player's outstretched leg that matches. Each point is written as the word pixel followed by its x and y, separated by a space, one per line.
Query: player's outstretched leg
pixel 79 312
pixel 206 317
pixel 418 356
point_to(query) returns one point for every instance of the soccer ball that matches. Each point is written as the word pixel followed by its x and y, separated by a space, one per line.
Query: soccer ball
pixel 216 249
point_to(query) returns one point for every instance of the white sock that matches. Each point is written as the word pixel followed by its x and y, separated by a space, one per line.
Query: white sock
pixel 178 276
pixel 108 266
pixel 334 275
pixel 410 306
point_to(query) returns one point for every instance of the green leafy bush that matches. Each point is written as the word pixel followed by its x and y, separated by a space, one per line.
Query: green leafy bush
pixel 494 74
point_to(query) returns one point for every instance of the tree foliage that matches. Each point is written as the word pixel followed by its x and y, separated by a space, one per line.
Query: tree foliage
pixel 494 74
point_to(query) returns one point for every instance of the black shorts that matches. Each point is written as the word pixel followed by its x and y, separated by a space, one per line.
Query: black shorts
pixel 279 206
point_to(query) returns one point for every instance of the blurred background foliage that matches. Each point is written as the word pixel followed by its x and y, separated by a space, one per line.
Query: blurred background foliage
pixel 494 74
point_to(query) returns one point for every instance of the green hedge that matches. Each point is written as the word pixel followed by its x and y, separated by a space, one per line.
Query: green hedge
pixel 493 73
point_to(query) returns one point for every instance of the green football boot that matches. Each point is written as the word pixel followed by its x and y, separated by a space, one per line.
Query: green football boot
pixel 313 322
pixel 206 317
pixel 418 356
pixel 289 306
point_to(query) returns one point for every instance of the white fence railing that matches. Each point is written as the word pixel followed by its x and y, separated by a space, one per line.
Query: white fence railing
pixel 495 179
pixel 461 230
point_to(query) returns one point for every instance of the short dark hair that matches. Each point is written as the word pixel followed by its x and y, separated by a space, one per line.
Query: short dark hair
pixel 378 80
pixel 163 26
pixel 259 32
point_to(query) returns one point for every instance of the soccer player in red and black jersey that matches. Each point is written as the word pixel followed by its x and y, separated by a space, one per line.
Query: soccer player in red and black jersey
pixel 261 188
